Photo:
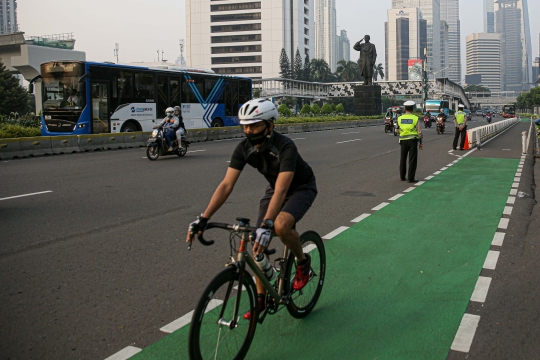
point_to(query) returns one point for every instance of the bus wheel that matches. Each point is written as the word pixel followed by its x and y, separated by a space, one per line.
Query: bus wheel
pixel 217 122
pixel 129 127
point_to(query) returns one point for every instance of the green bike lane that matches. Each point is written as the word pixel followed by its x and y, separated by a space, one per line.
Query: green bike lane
pixel 399 281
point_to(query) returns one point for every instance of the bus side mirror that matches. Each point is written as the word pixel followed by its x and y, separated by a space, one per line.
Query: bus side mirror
pixel 31 88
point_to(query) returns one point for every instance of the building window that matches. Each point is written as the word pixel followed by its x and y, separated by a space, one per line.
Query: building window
pixel 237 59
pixel 306 21
pixel 239 70
pixel 306 41
pixel 306 2
pixel 235 38
pixel 235 7
pixel 306 51
pixel 236 49
pixel 306 11
pixel 232 28
pixel 306 31
pixel 235 17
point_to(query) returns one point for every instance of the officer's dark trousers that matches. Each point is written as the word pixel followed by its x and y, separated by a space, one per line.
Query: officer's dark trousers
pixel 456 136
pixel 408 147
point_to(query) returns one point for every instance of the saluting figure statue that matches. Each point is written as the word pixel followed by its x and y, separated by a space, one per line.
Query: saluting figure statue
pixel 368 55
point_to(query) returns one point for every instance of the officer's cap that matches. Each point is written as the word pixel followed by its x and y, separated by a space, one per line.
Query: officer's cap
pixel 409 103
pixel 461 106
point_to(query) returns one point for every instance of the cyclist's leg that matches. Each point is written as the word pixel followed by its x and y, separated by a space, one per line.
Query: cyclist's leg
pixel 263 207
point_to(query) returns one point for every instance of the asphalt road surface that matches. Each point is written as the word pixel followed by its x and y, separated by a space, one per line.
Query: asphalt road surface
pixel 96 260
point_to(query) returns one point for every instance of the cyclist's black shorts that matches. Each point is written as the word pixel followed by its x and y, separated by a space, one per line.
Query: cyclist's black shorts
pixel 297 203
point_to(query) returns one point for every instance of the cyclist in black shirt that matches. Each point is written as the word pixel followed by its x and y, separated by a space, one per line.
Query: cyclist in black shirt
pixel 289 195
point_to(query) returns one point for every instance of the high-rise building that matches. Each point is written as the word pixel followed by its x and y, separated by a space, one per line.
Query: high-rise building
pixel 484 58
pixel 431 12
pixel 344 47
pixel 326 46
pixel 450 14
pixel 489 16
pixel 405 39
pixel 8 16
pixel 445 51
pixel 512 22
pixel 246 37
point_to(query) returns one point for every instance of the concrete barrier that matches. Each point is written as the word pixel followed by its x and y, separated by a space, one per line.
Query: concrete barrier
pixel 64 144
pixel 10 148
pixel 225 133
pixel 36 146
pixel 196 135
pixel 282 129
pixel 145 136
pixel 236 131
pixel 477 136
pixel 212 133
pixel 134 139
pixel 112 141
pixel 89 142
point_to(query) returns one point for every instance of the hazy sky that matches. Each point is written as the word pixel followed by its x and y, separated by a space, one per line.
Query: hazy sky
pixel 141 27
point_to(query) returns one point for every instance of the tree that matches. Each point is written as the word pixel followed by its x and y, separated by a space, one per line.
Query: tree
pixel 347 71
pixel 298 66
pixel 13 97
pixel 306 109
pixel 307 69
pixel 340 109
pixel 326 109
pixel 529 99
pixel 315 109
pixel 319 70
pixel 284 65
pixel 476 88
pixel 284 110
pixel 378 70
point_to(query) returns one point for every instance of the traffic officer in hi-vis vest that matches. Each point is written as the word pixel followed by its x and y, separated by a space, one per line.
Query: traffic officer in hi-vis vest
pixel 410 134
pixel 460 120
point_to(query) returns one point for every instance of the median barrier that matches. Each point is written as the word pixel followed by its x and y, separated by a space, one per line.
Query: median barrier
pixel 36 146
pixel 112 141
pixel 145 136
pixel 293 129
pixel 64 144
pixel 212 133
pixel 134 139
pixel 225 133
pixel 478 135
pixel 282 129
pixel 236 131
pixel 197 135
pixel 10 148
pixel 89 142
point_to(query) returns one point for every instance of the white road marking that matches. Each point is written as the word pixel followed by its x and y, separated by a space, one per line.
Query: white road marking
pixel 481 289
pixel 517 179
pixel 354 132
pixel 507 210
pixel 491 260
pixel 360 218
pixel 341 142
pixel 309 248
pixel 299 139
pixel 18 196
pixel 520 166
pixel 498 239
pixel 506 149
pixel 339 230
pixel 436 173
pixel 515 185
pixel 465 334
pixel 419 183
pixel 196 150
pixel 450 164
pixel 186 319
pixel 429 177
pixel 513 192
pixel 444 168
pixel 380 206
pixel 125 353
pixel 503 223
pixel 395 197
pixel 144 157
pixel 409 189
pixel 511 200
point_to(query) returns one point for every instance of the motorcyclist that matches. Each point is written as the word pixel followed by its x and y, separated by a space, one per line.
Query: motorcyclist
pixel 181 131
pixel 169 123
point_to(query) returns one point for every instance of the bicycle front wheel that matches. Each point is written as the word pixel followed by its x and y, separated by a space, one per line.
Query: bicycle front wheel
pixel 214 332
pixel 302 302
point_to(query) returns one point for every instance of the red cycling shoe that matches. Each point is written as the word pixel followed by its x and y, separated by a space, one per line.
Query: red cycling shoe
pixel 301 278
pixel 260 305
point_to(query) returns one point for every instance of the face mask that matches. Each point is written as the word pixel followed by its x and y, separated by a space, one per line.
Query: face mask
pixel 169 114
pixel 258 138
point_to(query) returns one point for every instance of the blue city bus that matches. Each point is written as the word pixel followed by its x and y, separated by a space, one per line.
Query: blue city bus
pixel 435 107
pixel 82 97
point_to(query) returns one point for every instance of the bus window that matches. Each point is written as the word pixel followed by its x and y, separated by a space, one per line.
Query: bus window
pixel 192 89
pixel 162 98
pixel 244 91
pixel 209 85
pixel 125 87
pixel 231 99
pixel 174 84
pixel 144 87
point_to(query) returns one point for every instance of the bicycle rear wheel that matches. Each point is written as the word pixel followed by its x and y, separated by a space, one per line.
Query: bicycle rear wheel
pixel 303 301
pixel 209 339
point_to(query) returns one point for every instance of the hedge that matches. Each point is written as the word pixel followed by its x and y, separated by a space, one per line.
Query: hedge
pixel 8 131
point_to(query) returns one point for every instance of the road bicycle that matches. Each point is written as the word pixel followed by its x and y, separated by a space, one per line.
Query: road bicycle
pixel 218 329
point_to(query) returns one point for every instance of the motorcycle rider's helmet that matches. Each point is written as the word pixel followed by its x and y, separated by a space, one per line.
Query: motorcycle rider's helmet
pixel 177 109
pixel 258 110
pixel 169 111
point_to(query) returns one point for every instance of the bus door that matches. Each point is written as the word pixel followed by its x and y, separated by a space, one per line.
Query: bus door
pixel 231 99
pixel 100 108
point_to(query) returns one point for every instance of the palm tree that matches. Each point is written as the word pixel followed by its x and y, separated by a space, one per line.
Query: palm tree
pixel 378 70
pixel 347 71
pixel 319 69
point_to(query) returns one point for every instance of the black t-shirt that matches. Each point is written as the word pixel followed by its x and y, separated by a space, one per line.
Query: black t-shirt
pixel 278 154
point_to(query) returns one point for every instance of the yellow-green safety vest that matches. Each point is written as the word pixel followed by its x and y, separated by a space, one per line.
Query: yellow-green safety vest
pixel 407 127
pixel 460 117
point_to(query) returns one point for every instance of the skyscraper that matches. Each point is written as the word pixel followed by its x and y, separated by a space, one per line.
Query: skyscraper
pixel 431 12
pixel 246 38
pixel 344 47
pixel 8 16
pixel 512 22
pixel 450 14
pixel 445 53
pixel 489 16
pixel 484 58
pixel 325 32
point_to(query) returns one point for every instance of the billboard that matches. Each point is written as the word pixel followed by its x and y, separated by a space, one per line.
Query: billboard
pixel 415 69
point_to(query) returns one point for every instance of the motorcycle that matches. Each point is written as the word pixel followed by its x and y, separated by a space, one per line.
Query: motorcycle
pixel 388 124
pixel 427 121
pixel 157 145
pixel 488 118
pixel 440 124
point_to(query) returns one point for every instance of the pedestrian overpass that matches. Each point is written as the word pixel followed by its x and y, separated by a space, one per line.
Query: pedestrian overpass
pixel 494 98
pixel 402 90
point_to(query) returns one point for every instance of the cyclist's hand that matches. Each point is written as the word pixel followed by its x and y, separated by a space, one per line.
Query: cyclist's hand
pixel 262 239
pixel 196 228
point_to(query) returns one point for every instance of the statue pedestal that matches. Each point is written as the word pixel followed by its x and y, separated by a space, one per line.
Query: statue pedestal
pixel 367 100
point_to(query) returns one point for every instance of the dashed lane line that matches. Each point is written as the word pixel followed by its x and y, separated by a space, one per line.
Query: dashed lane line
pixel 503 223
pixel 395 197
pixel 409 189
pixel 342 142
pixel 498 239
pixel 331 234
pixel 491 260
pixel 465 334
pixel 380 206
pixel 31 194
pixel 125 353
pixel 186 319
pixel 360 218
pixel 481 289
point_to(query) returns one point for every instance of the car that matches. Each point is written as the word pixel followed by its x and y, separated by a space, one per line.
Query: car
pixel 480 113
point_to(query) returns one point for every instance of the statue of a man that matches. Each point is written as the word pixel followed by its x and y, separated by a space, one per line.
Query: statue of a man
pixel 368 55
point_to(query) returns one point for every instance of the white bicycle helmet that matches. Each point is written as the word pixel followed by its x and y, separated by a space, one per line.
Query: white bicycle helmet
pixel 257 110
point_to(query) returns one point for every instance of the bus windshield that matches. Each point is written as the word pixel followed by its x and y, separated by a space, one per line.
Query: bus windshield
pixel 61 88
